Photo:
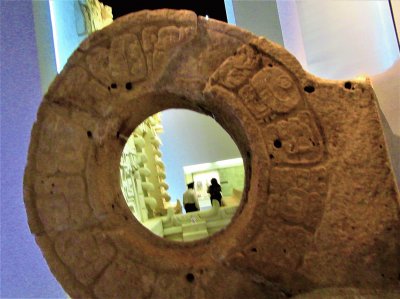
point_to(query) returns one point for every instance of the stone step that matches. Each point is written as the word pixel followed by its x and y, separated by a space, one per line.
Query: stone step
pixel 194 226
pixel 175 237
pixel 172 230
pixel 196 235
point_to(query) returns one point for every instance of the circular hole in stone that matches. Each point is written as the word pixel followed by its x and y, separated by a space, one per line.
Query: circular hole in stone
pixel 128 85
pixel 277 143
pixel 190 277
pixel 171 166
pixel 309 89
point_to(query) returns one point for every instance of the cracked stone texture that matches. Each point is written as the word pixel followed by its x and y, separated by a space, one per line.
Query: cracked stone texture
pixel 320 209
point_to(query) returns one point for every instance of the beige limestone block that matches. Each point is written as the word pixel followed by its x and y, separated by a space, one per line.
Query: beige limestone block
pixel 125 279
pixel 320 208
pixel 71 146
pixel 87 252
pixel 61 203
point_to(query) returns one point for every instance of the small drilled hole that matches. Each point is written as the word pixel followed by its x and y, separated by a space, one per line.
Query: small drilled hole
pixel 128 86
pixel 113 206
pixel 309 88
pixel 89 134
pixel 270 65
pixel 347 85
pixel 114 85
pixel 271 156
pixel 277 143
pixel 254 249
pixel 288 293
pixel 190 277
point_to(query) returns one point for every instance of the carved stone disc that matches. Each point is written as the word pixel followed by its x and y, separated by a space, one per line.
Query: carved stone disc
pixel 320 206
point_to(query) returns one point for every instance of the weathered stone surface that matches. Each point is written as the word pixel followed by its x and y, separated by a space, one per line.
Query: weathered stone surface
pixel 334 293
pixel 320 212
pixel 295 140
pixel 88 253
pixel 67 155
pixel 61 203
pixel 125 279
pixel 298 196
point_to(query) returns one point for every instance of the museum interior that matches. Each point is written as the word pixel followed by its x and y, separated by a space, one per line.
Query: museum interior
pixel 333 40
pixel 144 176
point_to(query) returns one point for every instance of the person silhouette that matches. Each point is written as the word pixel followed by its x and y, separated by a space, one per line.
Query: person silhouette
pixel 215 191
pixel 190 201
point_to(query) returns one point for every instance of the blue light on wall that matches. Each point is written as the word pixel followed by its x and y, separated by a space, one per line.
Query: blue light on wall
pixel 230 13
pixel 66 18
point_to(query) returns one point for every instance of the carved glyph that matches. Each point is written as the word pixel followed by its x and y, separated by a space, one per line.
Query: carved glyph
pixel 298 195
pixel 87 252
pixel 294 140
pixel 276 88
pixel 265 87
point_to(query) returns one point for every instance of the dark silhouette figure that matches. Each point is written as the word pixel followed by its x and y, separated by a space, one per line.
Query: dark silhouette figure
pixel 190 201
pixel 215 191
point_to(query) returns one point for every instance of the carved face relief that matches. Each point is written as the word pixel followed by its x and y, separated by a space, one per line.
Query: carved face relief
pixel 294 140
pixel 276 88
pixel 237 69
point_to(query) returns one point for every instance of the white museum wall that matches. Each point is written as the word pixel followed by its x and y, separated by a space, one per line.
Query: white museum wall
pixel 345 39
pixel 259 17
pixel 191 138
pixel 291 30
